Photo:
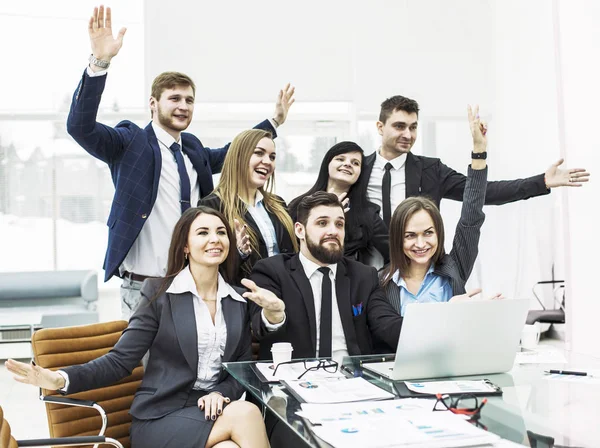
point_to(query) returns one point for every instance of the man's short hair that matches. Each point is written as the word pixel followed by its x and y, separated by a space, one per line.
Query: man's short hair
pixel 396 103
pixel 315 200
pixel 170 80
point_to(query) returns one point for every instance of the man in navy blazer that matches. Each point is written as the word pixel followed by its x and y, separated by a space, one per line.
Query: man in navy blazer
pixel 144 163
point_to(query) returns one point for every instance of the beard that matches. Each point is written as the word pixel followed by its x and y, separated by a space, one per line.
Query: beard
pixel 323 254
pixel 168 121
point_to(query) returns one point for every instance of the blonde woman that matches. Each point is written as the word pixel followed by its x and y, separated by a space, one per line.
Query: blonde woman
pixel 244 195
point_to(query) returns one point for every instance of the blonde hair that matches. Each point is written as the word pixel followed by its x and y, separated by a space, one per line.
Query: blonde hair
pixel 234 183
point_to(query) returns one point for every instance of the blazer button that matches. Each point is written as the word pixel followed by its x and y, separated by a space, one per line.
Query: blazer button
pixel 144 216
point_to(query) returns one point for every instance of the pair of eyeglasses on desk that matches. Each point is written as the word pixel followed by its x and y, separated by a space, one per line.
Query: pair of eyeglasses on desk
pixel 328 365
pixel 464 404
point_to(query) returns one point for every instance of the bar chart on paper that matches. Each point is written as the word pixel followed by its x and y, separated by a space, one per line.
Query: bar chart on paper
pixel 386 424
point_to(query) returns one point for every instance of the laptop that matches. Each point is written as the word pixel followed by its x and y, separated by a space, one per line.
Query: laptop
pixel 466 338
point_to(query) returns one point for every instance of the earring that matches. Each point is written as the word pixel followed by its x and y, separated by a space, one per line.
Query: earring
pixel 185 253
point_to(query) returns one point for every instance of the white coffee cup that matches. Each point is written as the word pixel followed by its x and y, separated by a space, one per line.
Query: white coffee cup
pixel 530 336
pixel 282 352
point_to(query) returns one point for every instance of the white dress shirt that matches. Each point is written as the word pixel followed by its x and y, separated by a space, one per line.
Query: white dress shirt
pixel 264 223
pixel 397 184
pixel 148 255
pixel 212 338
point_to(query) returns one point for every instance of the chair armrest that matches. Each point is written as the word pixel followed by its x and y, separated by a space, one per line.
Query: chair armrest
pixel 68 401
pixel 76 402
pixel 70 441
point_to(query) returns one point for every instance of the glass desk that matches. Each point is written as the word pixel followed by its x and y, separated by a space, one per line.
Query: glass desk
pixel 531 408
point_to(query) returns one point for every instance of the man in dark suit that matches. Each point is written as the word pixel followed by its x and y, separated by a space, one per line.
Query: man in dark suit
pixel 395 173
pixel 158 171
pixel 326 305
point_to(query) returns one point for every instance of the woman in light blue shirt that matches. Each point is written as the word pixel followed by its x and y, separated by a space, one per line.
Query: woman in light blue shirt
pixel 420 271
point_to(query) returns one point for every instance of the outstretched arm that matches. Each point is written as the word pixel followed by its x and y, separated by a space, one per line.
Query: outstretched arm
pixel 101 141
pixel 465 246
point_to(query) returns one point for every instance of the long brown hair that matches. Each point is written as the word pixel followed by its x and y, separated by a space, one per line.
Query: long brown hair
pixel 234 183
pixel 177 261
pixel 407 208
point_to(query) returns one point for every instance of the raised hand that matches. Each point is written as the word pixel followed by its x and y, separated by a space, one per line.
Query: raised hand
pixel 343 199
pixel 242 238
pixel 284 102
pixel 478 129
pixel 212 405
pixel 35 375
pixel 104 45
pixel 273 307
pixel 571 177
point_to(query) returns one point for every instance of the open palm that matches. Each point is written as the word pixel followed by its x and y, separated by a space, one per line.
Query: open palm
pixel 34 375
pixel 104 45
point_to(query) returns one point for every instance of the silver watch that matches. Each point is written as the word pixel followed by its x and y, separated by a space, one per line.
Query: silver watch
pixel 98 62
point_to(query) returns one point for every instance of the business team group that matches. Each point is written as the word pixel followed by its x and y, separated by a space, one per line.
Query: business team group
pixel 199 282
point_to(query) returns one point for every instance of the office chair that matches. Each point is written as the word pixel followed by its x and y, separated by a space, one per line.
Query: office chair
pixel 93 412
pixel 545 315
pixel 8 441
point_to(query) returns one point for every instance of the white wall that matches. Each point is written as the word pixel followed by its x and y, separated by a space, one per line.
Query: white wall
pixel 579 47
pixel 335 50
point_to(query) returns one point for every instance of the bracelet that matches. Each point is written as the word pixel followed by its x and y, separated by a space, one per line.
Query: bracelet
pixel 479 155
pixel 276 122
pixel 98 62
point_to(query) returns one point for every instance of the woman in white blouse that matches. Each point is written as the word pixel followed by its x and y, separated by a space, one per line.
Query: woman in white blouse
pixel 192 321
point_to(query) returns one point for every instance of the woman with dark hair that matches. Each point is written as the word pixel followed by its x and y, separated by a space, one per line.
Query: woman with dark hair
pixel 245 196
pixel 341 173
pixel 420 271
pixel 192 321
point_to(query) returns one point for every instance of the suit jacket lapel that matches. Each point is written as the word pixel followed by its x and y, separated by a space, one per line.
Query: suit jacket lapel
pixel 153 142
pixel 301 280
pixel 233 320
pixel 184 318
pixel 342 292
pixel 413 169
pixel 370 163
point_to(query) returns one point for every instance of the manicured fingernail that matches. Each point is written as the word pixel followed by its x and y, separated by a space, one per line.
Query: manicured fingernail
pixel 219 412
pixel 206 417
pixel 214 417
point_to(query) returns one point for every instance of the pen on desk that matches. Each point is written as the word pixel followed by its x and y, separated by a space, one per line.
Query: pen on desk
pixel 377 359
pixel 567 372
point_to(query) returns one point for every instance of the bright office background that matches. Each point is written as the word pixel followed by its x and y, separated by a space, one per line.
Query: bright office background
pixel 531 65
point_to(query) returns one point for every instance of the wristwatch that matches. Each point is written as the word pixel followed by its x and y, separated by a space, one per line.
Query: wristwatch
pixel 479 155
pixel 98 62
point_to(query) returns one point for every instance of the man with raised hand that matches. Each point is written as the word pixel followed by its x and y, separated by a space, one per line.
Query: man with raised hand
pixel 395 173
pixel 158 171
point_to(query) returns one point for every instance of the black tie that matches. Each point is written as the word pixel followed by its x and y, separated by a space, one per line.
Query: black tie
pixel 386 194
pixel 183 177
pixel 325 330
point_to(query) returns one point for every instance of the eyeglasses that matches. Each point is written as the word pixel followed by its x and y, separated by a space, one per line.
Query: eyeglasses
pixel 465 404
pixel 328 365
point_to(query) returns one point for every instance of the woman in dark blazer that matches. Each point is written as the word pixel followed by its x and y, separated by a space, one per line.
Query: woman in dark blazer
pixel 341 173
pixel 191 321
pixel 420 271
pixel 244 195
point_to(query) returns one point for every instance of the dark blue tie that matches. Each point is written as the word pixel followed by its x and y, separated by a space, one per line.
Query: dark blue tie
pixel 183 176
